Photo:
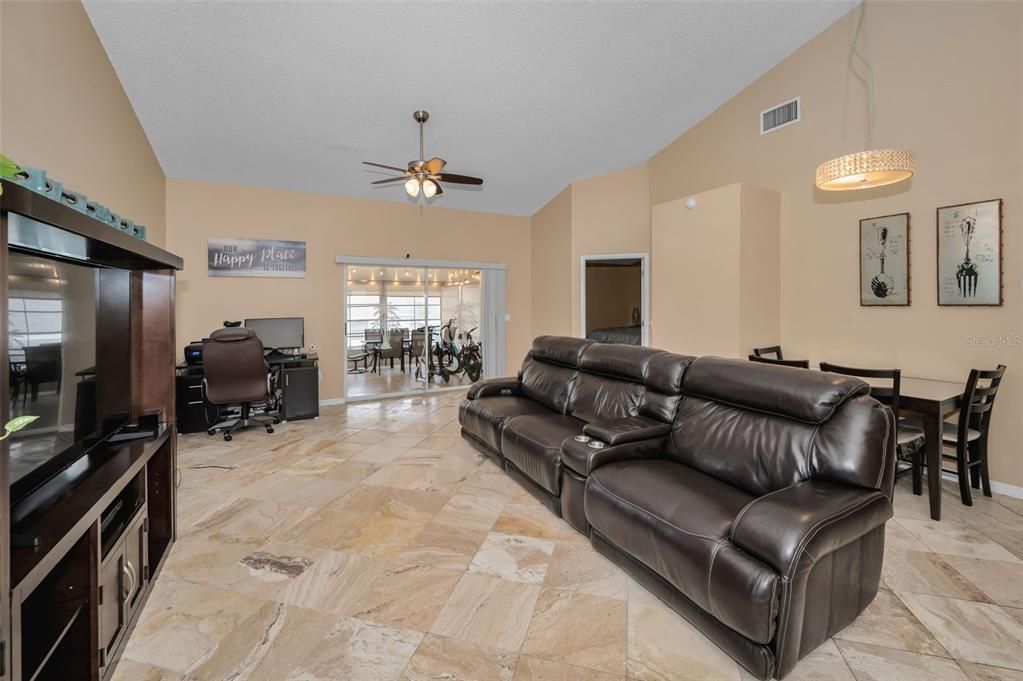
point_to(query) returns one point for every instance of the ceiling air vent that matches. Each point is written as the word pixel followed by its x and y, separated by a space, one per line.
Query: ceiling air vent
pixel 779 116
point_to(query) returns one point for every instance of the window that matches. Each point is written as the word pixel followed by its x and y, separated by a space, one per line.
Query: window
pixel 32 322
pixel 402 310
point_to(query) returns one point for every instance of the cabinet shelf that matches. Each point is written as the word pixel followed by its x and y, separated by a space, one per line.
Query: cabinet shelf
pixel 60 640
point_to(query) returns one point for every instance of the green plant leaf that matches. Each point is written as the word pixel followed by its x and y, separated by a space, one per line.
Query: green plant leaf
pixel 8 168
pixel 18 423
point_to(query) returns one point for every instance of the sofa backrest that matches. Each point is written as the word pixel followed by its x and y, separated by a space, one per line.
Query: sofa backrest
pixel 550 369
pixel 603 381
pixel 762 427
pixel 616 381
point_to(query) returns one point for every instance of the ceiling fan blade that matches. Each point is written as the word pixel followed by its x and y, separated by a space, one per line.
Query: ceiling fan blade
pixel 381 165
pixel 435 165
pixel 459 179
pixel 390 179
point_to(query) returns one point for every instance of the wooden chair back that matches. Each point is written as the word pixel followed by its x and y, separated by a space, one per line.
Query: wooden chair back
pixel 979 400
pixel 798 363
pixel 768 351
pixel 885 394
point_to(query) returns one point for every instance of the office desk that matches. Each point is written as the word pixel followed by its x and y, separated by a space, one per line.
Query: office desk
pixel 297 377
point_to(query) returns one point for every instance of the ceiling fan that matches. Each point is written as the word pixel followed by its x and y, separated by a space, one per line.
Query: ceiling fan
pixel 421 175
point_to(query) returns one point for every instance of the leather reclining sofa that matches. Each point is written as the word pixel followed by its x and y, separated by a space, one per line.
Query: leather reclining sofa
pixel 750 498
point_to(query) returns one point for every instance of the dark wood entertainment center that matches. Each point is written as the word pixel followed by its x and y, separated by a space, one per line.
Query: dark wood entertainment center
pixel 68 604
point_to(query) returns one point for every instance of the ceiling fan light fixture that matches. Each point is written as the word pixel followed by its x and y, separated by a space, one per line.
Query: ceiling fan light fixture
pixel 412 187
pixel 430 188
pixel 866 170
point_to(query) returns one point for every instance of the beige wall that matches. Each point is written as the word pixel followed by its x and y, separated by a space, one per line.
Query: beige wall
pixel 695 285
pixel 601 215
pixel 759 268
pixel 551 229
pixel 330 226
pixel 610 214
pixel 948 86
pixel 62 108
pixel 612 292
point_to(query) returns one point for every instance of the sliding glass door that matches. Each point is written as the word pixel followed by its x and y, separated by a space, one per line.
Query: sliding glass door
pixel 410 329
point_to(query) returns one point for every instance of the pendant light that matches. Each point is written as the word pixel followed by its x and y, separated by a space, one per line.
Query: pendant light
pixel 873 167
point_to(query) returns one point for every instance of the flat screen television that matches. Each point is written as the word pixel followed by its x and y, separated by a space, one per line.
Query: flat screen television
pixel 69 340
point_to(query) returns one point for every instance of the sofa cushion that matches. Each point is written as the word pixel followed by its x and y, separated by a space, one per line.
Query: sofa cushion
pixel 484 418
pixel 762 427
pixel 596 397
pixel 533 444
pixel 663 380
pixel 676 521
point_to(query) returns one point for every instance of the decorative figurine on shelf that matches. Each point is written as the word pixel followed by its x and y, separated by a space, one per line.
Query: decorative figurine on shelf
pixel 16 424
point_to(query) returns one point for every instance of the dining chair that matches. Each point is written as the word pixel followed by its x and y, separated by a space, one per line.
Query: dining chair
pixel 798 363
pixel 373 339
pixel 769 350
pixel 418 349
pixel 394 347
pixel 909 438
pixel 968 435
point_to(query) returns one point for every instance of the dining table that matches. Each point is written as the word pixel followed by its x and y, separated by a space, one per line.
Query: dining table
pixel 929 402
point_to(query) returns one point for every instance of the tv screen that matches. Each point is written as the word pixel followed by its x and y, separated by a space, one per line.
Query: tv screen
pixel 69 340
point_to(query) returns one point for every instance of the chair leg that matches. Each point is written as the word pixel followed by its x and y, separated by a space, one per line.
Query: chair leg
pixel 985 477
pixel 918 473
pixel 974 458
pixel 964 474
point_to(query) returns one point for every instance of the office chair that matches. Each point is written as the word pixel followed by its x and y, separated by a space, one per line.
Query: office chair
pixel 42 365
pixel 237 374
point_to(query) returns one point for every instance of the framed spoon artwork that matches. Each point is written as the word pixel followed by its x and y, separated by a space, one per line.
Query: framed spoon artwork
pixel 884 260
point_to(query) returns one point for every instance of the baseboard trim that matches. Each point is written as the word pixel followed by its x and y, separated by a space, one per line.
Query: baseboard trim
pixel 333 401
pixel 996 487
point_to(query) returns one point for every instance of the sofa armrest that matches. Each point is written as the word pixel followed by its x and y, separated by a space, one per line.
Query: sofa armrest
pixel 629 429
pixel 806 521
pixel 491 387
pixel 583 459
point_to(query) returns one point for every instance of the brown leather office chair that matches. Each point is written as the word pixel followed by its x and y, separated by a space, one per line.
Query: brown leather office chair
pixel 237 374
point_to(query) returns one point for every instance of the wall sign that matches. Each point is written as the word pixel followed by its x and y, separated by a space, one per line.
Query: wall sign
pixel 229 257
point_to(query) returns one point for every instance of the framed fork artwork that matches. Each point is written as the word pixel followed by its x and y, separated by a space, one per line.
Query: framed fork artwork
pixel 970 253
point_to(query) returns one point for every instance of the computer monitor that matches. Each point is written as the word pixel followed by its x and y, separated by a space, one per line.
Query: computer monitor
pixel 279 333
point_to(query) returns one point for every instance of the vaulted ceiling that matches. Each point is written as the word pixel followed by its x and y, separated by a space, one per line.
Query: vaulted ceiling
pixel 530 96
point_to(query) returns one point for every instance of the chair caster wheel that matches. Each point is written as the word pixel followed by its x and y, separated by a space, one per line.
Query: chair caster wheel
pixel 277 420
pixel 269 429
pixel 227 437
pixel 211 432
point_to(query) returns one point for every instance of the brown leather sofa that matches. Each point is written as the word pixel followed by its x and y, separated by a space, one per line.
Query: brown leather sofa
pixel 758 514
pixel 567 386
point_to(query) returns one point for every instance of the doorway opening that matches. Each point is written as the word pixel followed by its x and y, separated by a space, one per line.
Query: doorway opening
pixel 412 327
pixel 615 298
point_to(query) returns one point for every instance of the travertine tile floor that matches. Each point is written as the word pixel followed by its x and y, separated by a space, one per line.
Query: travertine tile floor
pixel 374 544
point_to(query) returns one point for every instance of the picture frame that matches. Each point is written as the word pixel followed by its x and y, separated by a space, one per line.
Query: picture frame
pixel 969 254
pixel 885 275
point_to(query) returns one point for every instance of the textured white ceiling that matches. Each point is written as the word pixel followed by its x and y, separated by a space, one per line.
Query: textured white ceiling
pixel 530 96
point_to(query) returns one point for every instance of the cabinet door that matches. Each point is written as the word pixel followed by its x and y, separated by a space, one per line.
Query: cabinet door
pixel 111 606
pixel 301 393
pixel 136 563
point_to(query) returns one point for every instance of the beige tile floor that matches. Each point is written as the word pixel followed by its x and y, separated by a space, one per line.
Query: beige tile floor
pixel 374 544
